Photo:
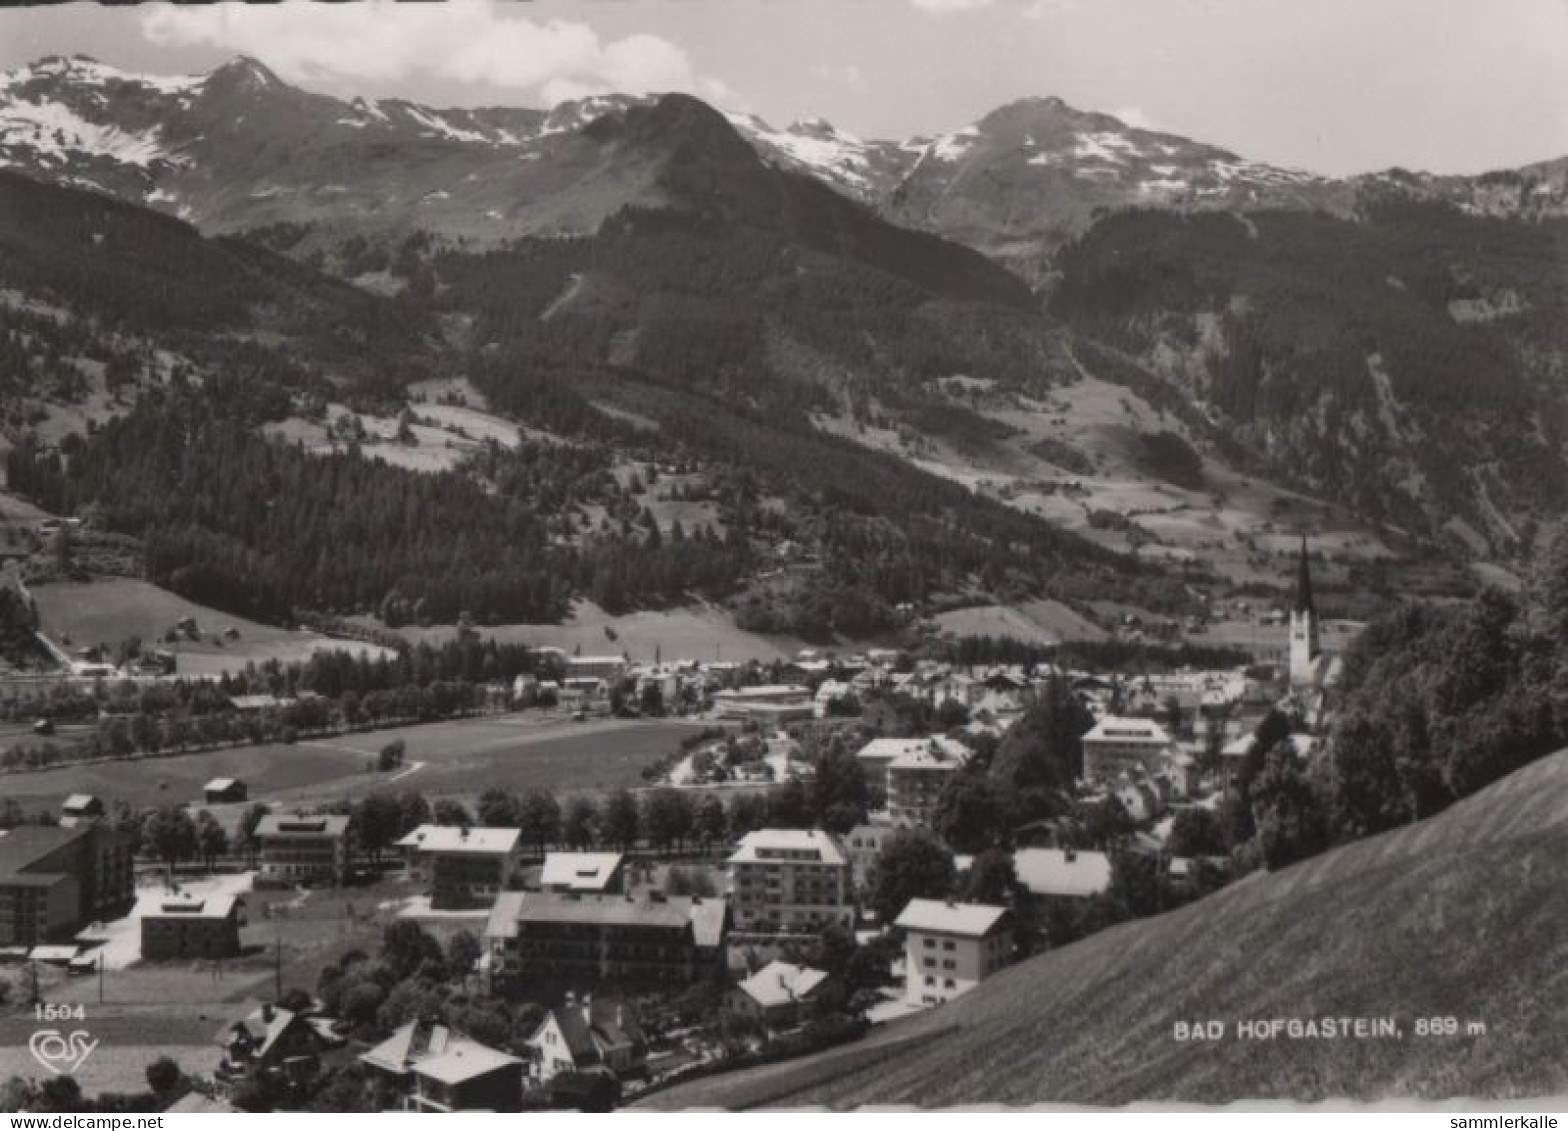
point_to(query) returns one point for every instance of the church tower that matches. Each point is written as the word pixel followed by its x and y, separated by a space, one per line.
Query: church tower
pixel 1303 628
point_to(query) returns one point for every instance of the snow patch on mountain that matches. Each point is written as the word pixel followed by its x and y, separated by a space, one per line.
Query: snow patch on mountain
pixel 953 146
pixel 815 144
pixel 86 72
pixel 58 134
pixel 440 127
pixel 1104 145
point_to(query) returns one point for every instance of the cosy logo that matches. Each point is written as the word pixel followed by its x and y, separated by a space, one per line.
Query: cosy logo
pixel 60 1053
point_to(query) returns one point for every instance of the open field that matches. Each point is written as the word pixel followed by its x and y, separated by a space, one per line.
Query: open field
pixel 442 433
pixel 1459 916
pixel 459 758
pixel 107 611
pixel 697 632
pixel 1033 622
pixel 179 779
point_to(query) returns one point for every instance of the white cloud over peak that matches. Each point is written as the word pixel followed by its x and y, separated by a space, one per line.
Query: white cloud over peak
pixel 951 5
pixel 474 42
pixel 1136 117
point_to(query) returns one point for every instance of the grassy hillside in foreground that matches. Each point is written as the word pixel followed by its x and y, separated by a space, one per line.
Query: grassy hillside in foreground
pixel 1461 915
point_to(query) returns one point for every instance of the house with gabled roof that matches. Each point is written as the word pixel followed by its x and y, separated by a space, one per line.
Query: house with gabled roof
pixel 435 1068
pixel 277 1042
pixel 596 1032
pixel 224 791
pixel 781 995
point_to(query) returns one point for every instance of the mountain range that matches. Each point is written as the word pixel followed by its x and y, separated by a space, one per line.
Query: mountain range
pixel 1044 354
pixel 238 148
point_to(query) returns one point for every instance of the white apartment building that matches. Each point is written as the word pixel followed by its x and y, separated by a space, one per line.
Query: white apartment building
pixel 789 881
pixel 950 948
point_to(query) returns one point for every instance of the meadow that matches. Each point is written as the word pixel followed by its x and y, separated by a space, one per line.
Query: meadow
pixel 456 758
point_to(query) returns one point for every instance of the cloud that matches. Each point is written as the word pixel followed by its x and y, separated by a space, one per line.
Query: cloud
pixel 1046 9
pixel 945 6
pixel 1135 117
pixel 473 42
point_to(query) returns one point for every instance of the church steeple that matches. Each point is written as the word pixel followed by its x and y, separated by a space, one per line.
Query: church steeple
pixel 1303 627
pixel 1304 582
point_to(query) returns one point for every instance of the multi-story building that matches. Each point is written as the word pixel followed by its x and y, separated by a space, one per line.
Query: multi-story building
pixel 304 847
pixel 464 867
pixel 863 845
pixel 1117 746
pixel 915 781
pixel 785 881
pixel 876 756
pixel 184 926
pixel 950 948
pixel 55 880
pixel 580 940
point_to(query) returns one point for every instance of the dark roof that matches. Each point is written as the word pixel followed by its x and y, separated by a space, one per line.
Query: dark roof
pixel 1304 582
pixel 21 847
pixel 591 1027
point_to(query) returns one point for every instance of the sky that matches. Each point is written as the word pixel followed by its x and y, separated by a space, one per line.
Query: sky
pixel 1334 86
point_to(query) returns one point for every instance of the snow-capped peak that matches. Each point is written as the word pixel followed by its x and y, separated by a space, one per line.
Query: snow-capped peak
pixel 85 71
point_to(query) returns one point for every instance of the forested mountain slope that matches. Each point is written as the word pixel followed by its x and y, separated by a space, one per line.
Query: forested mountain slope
pixel 1410 363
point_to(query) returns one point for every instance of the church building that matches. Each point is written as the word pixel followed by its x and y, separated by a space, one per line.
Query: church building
pixel 1304 648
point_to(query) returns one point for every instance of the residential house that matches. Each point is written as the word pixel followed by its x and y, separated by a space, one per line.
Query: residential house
pixel 277 1042
pixel 949 948
pixel 304 848
pixel 597 873
pixel 567 937
pixel 432 1068
pixel 187 926
pixel 465 867
pixel 786 881
pixel 779 996
pixel 597 1032
pixel 55 880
